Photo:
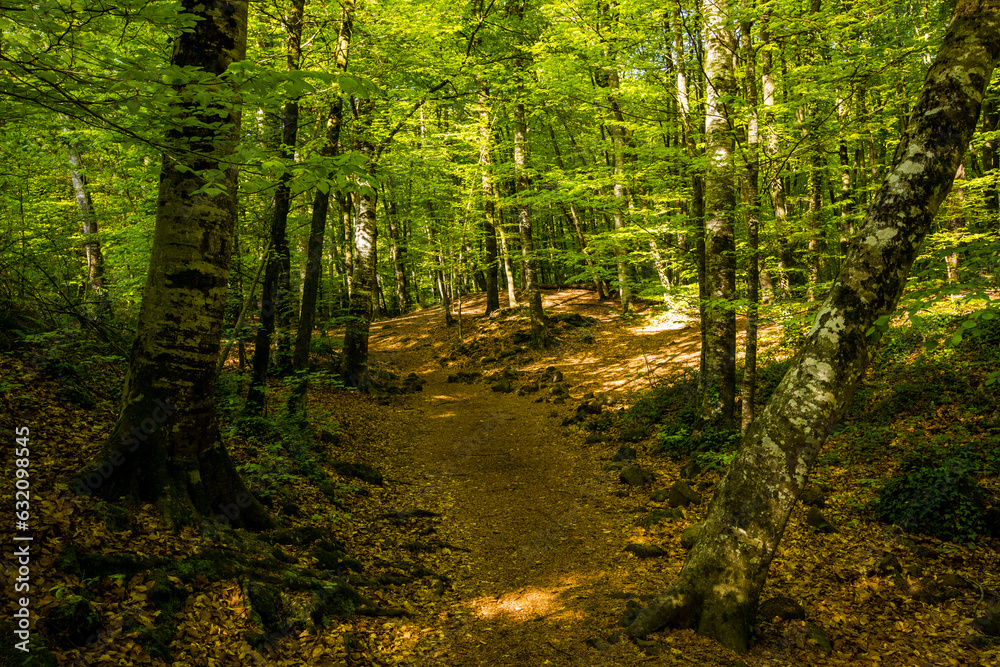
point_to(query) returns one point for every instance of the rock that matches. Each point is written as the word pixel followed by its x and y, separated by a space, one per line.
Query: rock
pixel 926 552
pixel 815 519
pixel 888 564
pixel 595 438
pixel 899 581
pixel 557 376
pixel 624 453
pixel 558 400
pixel 781 608
pixel 682 495
pixel 690 536
pixel 645 550
pixel 989 622
pixel 530 388
pixel 817 636
pixel 657 516
pixel 691 469
pixel 559 390
pixel 906 543
pixel 914 571
pixel 813 498
pixel 634 475
pixel 660 495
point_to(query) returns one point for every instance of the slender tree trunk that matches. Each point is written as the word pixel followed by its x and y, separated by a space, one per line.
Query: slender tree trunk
pixel 719 586
pixel 165 447
pixel 955 222
pixel 505 252
pixel 574 219
pixel 489 205
pixel 91 246
pixel 753 207
pixel 317 229
pixel 276 294
pixel 719 325
pixel 539 326
pixel 618 140
pixel 397 248
pixel 773 151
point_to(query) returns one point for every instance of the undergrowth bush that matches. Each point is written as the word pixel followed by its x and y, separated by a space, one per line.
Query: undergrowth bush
pixel 935 498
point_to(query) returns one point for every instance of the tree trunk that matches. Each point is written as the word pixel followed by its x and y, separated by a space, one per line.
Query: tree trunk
pixel 165 447
pixel 275 299
pixel 773 149
pixel 719 585
pixel 489 204
pixel 354 359
pixel 539 326
pixel 719 324
pixel 92 247
pixel 752 201
pixel 317 231
pixel 955 222
pixel 397 248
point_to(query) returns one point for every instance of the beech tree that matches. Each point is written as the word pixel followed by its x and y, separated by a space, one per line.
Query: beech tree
pixel 718 588
pixel 165 447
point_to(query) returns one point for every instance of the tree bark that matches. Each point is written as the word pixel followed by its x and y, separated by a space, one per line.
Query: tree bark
pixel 165 447
pixel 954 224
pixel 489 204
pixel 397 248
pixel 719 323
pixel 275 296
pixel 317 231
pixel 718 588
pixel 354 359
pixel 752 201
pixel 539 326
pixel 91 246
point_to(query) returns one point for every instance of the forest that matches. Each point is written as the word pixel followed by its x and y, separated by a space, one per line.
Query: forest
pixel 516 332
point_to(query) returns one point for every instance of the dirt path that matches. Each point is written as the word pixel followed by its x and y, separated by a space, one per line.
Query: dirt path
pixel 544 572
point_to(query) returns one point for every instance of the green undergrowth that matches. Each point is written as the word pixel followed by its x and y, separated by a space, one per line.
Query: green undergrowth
pixel 919 445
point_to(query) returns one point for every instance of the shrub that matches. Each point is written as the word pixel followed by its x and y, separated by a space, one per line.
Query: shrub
pixel 941 499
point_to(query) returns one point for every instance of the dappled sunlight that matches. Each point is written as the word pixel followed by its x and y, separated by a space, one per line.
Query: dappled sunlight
pixel 529 603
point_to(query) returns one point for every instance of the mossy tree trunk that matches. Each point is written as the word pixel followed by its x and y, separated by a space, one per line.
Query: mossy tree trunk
pixel 165 447
pixel 718 588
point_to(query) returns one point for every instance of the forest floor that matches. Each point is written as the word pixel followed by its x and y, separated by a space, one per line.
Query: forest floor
pixel 499 535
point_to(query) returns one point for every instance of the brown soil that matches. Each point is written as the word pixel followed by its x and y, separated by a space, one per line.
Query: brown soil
pixel 545 571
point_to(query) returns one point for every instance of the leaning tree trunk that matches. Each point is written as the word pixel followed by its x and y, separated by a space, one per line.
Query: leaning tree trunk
pixel 165 447
pixel 719 586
